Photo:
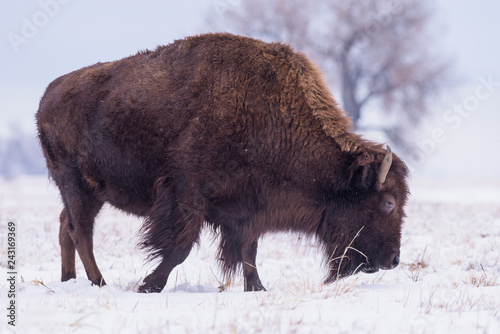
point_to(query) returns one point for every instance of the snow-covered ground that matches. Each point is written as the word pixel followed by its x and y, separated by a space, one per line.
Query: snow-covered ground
pixel 448 280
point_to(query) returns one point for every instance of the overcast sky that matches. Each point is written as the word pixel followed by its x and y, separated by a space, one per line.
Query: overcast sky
pixel 43 39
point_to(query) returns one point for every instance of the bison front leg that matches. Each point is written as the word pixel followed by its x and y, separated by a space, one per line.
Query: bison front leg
pixel 156 281
pixel 170 232
pixel 252 280
pixel 233 250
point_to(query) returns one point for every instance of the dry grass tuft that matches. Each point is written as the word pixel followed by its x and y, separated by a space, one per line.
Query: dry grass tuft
pixel 343 256
pixel 416 267
pixel 38 282
pixel 481 281
pixel 343 287
pixel 223 286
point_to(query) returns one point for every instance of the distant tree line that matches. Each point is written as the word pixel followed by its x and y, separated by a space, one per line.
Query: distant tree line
pixel 21 154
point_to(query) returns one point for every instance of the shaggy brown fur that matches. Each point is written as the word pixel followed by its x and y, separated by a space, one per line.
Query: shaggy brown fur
pixel 219 129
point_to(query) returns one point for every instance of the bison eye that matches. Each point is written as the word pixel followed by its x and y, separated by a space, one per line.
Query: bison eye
pixel 388 204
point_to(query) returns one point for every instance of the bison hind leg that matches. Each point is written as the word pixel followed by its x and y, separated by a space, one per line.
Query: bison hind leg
pixel 76 231
pixel 68 270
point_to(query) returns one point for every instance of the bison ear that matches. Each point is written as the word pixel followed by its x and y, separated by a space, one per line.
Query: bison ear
pixel 363 173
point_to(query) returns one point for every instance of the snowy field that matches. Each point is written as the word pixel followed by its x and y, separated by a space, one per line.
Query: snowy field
pixel 448 280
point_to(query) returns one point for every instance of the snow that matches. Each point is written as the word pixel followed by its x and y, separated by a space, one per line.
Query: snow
pixel 448 279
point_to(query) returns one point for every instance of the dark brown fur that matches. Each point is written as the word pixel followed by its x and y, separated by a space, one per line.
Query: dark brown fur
pixel 219 129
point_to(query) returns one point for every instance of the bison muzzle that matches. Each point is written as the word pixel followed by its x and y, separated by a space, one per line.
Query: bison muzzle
pixel 223 131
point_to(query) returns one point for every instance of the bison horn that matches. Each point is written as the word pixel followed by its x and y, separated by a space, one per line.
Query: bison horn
pixel 385 166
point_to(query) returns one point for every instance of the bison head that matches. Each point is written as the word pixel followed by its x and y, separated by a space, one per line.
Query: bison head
pixel 362 224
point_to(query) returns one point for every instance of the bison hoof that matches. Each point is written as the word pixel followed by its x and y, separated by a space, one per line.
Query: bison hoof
pixel 254 286
pixel 67 275
pixel 99 282
pixel 148 288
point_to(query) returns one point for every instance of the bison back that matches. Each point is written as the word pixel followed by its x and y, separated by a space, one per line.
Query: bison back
pixel 189 107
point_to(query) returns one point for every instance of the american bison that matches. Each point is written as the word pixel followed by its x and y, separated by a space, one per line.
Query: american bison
pixel 225 131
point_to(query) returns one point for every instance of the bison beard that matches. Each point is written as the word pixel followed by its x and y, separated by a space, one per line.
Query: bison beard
pixel 225 131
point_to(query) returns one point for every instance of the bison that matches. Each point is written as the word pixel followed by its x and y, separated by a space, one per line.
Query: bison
pixel 223 131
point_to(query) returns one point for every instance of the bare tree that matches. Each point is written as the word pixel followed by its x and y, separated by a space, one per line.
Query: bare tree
pixel 375 53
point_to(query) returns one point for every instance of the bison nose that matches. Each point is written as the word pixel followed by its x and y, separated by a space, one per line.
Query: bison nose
pixel 395 261
pixel 390 261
